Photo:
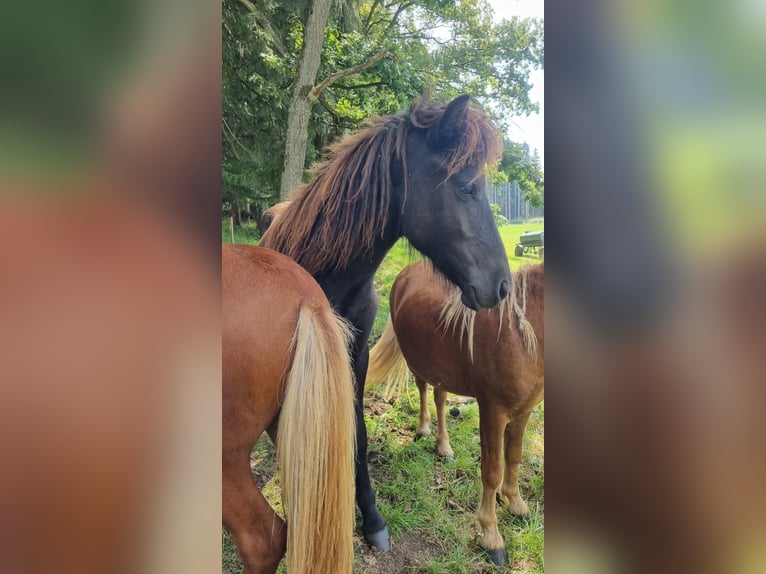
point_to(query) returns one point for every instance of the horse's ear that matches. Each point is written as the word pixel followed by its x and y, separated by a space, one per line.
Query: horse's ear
pixel 445 134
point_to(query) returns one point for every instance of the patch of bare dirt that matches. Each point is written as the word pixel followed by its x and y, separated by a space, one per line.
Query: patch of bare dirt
pixel 374 405
pixel 406 553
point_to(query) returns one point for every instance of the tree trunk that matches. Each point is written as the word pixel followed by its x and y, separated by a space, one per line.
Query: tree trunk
pixel 301 101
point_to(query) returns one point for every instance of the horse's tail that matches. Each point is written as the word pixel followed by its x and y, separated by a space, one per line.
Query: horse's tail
pixel 316 443
pixel 387 363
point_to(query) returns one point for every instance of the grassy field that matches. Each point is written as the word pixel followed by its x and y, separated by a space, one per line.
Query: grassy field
pixel 430 504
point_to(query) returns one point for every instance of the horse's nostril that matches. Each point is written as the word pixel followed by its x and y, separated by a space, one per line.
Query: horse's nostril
pixel 503 289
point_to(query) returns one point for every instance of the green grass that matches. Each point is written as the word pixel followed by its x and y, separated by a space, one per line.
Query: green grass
pixel 510 235
pixel 425 497
pixel 247 233
pixel 430 504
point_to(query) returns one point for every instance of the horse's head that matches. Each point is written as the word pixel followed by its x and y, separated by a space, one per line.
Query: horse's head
pixel 445 211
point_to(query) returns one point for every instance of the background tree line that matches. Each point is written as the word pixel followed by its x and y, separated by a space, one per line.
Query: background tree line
pixel 299 74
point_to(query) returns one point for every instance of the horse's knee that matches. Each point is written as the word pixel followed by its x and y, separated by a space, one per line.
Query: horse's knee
pixel 491 476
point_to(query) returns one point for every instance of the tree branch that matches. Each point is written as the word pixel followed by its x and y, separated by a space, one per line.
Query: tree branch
pixel 370 14
pixel 420 31
pixel 248 87
pixel 231 138
pixel 332 78
pixel 393 21
pixel 265 24
pixel 330 110
pixel 359 86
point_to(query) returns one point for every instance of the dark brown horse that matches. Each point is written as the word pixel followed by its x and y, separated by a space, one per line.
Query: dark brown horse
pixel 418 175
pixel 496 356
pixel 286 367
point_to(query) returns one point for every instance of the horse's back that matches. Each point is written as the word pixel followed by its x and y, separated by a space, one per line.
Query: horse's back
pixel 256 271
pixel 262 292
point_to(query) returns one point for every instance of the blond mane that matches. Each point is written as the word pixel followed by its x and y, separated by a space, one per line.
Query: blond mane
pixel 456 317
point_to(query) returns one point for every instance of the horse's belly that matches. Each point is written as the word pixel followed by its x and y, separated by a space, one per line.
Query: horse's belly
pixel 437 361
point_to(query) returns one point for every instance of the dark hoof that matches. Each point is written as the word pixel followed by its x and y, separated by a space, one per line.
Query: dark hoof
pixel 418 436
pixel 499 556
pixel 454 411
pixel 448 459
pixel 380 539
pixel 527 519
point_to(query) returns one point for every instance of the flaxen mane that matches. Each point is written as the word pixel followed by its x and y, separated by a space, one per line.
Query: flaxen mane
pixel 455 316
pixel 340 213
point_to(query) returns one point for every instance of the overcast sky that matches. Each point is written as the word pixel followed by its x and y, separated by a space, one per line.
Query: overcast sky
pixel 526 129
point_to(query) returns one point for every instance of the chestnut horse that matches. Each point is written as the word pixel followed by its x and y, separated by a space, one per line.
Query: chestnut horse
pixel 496 356
pixel 417 175
pixel 286 370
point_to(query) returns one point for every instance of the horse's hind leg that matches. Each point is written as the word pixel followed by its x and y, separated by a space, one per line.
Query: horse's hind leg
pixel 424 421
pixel 259 532
pixel 443 447
pixel 492 422
pixel 514 438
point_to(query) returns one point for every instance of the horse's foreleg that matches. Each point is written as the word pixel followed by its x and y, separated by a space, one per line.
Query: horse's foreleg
pixel 259 532
pixel 424 422
pixel 374 525
pixel 492 423
pixel 443 447
pixel 514 438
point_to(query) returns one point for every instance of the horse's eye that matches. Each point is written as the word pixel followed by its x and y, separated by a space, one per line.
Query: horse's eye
pixel 468 189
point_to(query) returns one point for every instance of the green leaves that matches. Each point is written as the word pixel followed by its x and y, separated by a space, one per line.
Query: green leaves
pixel 440 47
pixel 518 164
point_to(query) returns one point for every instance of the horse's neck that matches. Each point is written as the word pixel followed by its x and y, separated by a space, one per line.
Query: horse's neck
pixel 351 288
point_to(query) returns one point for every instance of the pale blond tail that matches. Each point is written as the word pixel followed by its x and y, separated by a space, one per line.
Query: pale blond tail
pixel 387 363
pixel 315 447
